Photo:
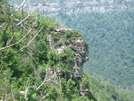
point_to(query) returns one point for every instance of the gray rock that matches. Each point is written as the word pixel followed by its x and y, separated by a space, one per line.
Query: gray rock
pixel 78 46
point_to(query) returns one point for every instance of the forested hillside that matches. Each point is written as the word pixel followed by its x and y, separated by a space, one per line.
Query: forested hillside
pixel 42 61
pixel 111 39
pixel 108 92
pixel 37 58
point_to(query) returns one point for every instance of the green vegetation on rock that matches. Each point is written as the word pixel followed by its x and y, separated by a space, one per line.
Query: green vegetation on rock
pixel 31 70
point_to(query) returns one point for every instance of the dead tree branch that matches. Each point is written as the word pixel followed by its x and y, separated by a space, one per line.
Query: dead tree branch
pixel 43 4
pixel 23 46
pixel 45 79
pixel 18 41
pixel 2 25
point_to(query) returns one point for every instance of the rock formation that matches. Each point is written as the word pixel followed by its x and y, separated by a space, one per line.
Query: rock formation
pixel 77 45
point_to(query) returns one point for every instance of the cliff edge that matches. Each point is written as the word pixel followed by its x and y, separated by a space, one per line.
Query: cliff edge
pixel 62 39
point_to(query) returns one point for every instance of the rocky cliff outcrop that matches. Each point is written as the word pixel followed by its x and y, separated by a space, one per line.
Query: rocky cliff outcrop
pixel 61 40
pixel 72 40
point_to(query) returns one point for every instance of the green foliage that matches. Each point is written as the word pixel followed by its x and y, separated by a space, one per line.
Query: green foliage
pixel 25 67
pixel 53 58
pixel 68 34
pixel 59 43
pixel 42 49
pixel 68 59
pixel 107 92
pixel 27 63
pixel 110 36
pixel 70 89
pixel 82 98
pixel 52 94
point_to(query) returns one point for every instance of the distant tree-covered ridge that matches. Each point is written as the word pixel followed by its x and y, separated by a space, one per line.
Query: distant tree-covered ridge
pixel 111 40
pixel 57 8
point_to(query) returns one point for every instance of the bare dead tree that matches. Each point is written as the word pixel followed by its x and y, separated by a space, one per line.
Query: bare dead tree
pixel 25 34
pixel 20 7
pixel 20 22
pixel 44 3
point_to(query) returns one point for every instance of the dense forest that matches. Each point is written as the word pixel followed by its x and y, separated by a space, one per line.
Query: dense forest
pixel 32 70
pixel 28 65
pixel 111 40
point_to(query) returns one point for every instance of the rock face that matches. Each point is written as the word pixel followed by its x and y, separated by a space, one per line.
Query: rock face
pixel 81 53
pixel 77 45
pixel 78 7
